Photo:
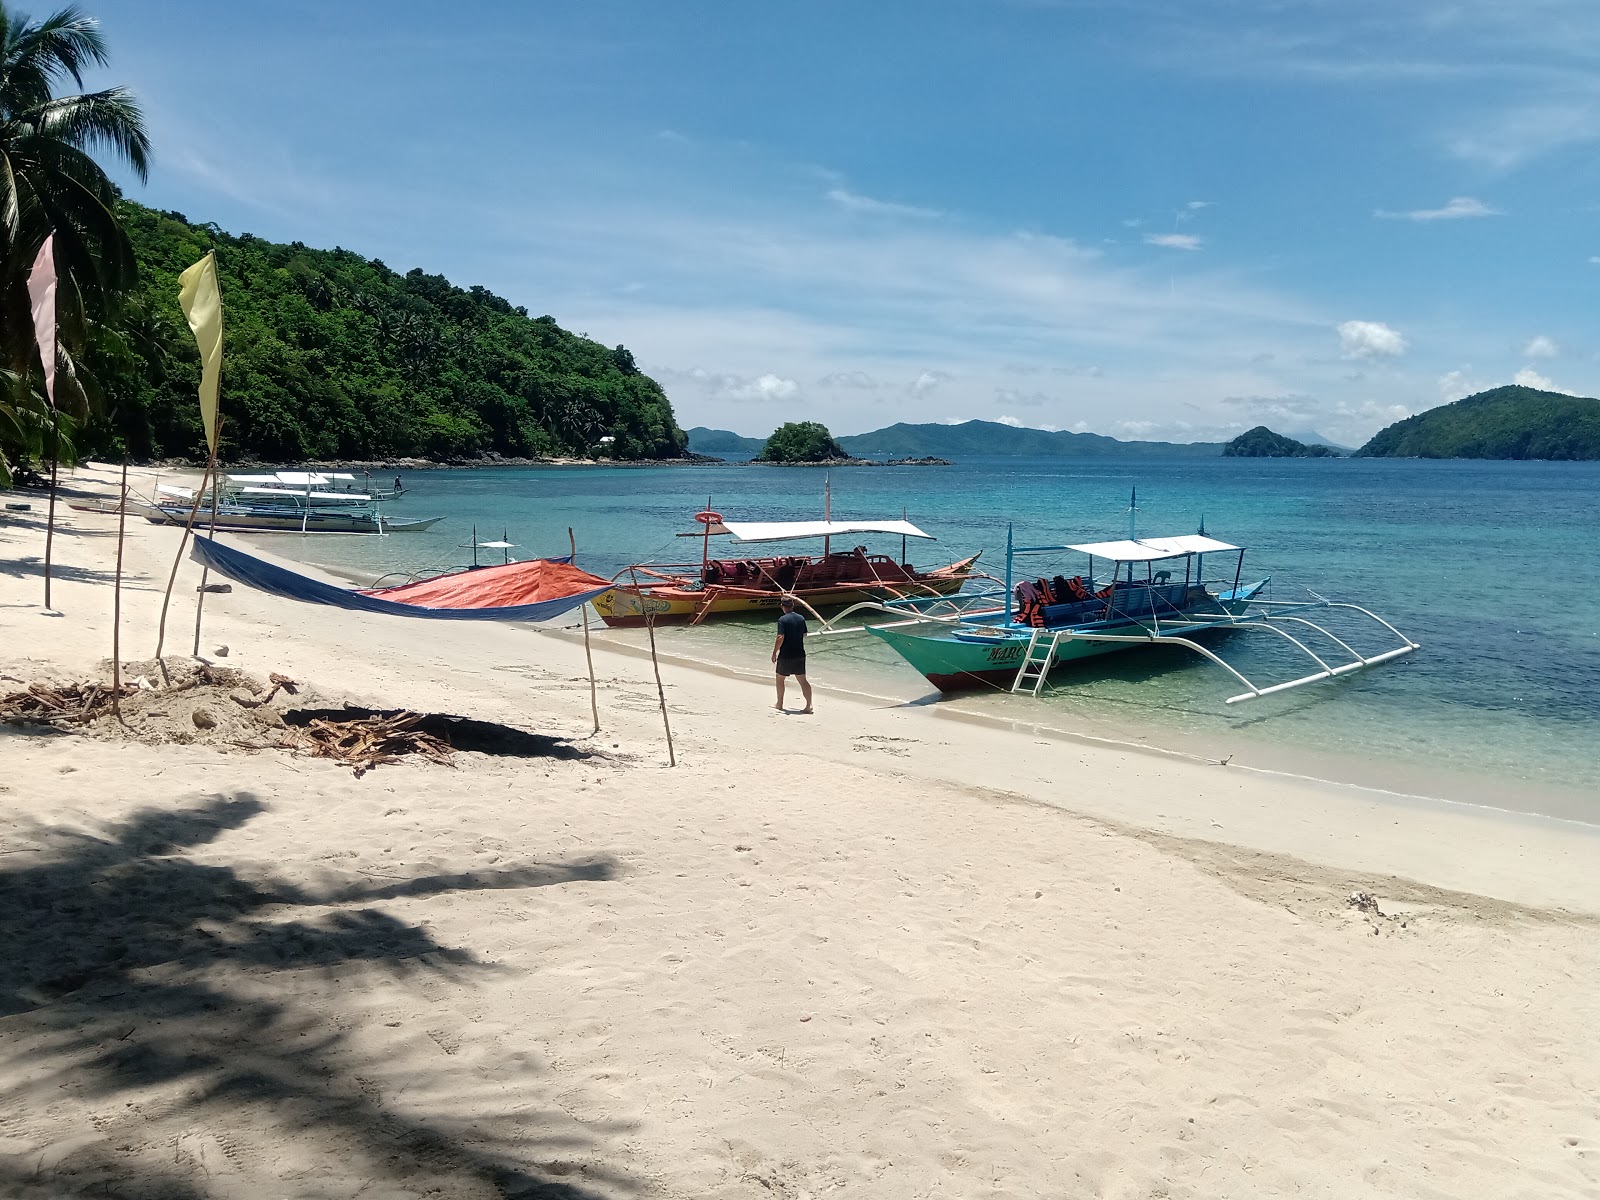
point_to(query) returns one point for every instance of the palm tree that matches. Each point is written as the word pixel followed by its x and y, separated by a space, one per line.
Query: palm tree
pixel 50 183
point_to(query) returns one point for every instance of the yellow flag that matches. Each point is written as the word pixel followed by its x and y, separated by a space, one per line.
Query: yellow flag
pixel 201 300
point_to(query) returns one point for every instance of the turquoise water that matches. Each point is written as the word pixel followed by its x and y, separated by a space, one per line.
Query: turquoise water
pixel 1493 567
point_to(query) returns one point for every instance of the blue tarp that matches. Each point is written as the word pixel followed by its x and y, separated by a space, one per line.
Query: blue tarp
pixel 264 576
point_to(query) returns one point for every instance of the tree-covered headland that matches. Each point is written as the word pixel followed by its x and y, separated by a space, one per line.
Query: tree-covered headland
pixel 327 354
pixel 1504 422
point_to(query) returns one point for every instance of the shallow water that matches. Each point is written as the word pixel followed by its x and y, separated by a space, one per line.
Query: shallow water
pixel 1493 567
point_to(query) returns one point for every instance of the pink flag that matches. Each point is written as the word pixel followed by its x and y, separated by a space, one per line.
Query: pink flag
pixel 42 291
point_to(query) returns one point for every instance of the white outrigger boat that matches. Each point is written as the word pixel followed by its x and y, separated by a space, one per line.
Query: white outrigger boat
pixel 1045 624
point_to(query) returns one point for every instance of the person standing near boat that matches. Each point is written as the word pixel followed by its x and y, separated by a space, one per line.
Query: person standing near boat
pixel 789 652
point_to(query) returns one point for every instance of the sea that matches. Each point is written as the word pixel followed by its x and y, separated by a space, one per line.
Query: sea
pixel 1493 567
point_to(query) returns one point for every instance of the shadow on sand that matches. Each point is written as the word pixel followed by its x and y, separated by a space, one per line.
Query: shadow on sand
pixel 133 978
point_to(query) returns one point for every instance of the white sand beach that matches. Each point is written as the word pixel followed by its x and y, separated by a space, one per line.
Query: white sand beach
pixel 873 952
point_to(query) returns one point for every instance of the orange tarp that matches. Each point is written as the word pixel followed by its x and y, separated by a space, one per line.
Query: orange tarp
pixel 496 587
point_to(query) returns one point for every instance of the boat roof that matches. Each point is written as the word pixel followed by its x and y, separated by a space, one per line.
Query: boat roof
pixel 292 478
pixel 1150 549
pixel 280 494
pixel 785 531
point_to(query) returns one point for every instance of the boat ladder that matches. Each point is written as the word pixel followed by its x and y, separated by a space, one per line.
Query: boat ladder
pixel 1035 666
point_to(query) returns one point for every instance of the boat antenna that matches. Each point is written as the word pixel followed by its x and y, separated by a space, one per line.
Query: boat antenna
pixel 505 551
pixel 474 545
pixel 1008 573
pixel 1133 512
pixel 1202 530
pixel 827 510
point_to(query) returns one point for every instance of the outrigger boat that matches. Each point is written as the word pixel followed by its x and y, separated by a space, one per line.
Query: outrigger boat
pixel 279 512
pixel 689 593
pixel 1049 623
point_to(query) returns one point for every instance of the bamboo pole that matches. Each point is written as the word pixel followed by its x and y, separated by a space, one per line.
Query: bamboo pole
pixel 205 572
pixel 655 663
pixel 588 656
pixel 116 599
pixel 172 577
pixel 50 521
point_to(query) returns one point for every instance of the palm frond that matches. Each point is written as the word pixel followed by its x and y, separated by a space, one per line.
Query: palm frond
pixel 111 119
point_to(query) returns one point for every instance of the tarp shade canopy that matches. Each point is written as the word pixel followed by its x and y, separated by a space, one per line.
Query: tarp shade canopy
pixel 1151 549
pixel 787 531
pixel 527 591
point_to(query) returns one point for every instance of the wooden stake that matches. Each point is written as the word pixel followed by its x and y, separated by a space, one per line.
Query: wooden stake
pixel 594 700
pixel 655 663
pixel 116 599
pixel 50 521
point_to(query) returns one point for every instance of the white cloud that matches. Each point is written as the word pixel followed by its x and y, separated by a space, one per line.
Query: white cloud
pixel 1529 131
pixel 1455 384
pixel 764 387
pixel 927 382
pixel 1541 347
pixel 1370 339
pixel 1011 421
pixel 1193 205
pixel 854 202
pixel 1528 377
pixel 1174 241
pixel 848 379
pixel 1458 208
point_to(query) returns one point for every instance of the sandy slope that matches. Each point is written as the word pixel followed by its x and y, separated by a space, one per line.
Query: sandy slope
pixel 816 958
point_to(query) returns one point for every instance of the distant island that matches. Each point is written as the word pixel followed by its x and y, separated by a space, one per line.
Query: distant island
pixel 809 444
pixel 1262 442
pixel 1505 422
pixel 970 439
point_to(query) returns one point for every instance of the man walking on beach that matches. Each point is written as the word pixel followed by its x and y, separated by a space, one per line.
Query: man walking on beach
pixel 789 652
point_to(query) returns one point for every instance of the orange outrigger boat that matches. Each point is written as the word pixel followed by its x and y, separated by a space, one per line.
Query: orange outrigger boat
pixel 687 593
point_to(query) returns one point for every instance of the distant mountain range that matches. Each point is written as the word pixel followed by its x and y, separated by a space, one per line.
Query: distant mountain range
pixel 969 439
pixel 1504 422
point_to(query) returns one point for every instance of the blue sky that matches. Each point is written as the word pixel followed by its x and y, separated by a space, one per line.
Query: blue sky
pixel 1138 217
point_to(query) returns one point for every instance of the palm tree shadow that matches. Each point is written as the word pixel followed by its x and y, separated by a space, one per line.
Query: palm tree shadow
pixel 130 972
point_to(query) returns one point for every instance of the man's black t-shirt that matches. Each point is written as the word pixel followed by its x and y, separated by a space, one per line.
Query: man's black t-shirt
pixel 792 629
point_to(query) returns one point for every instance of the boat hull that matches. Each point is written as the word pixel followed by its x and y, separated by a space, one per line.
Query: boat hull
pixel 955 664
pixel 625 607
pixel 258 521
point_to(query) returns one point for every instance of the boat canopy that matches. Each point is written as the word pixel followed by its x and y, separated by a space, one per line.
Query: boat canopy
pixel 1150 549
pixel 528 591
pixel 784 531
pixel 292 478
pixel 279 493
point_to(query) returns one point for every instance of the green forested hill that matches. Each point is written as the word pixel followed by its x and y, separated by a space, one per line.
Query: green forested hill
pixel 1262 442
pixel 1505 422
pixel 327 354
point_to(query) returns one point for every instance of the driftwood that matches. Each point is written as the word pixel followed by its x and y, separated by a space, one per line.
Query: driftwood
pixel 61 707
pixel 366 742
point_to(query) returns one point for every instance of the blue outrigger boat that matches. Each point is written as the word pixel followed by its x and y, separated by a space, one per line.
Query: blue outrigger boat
pixel 1044 624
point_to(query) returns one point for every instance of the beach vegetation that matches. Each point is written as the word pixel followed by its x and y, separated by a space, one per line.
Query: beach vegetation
pixel 1512 422
pixel 801 442
pixel 51 184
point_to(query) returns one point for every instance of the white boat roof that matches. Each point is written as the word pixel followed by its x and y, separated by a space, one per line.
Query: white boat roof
pixel 352 497
pixel 496 545
pixel 783 531
pixel 170 489
pixel 1150 549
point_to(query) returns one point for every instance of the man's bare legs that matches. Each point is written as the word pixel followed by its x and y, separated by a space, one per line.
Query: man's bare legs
pixel 805 690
